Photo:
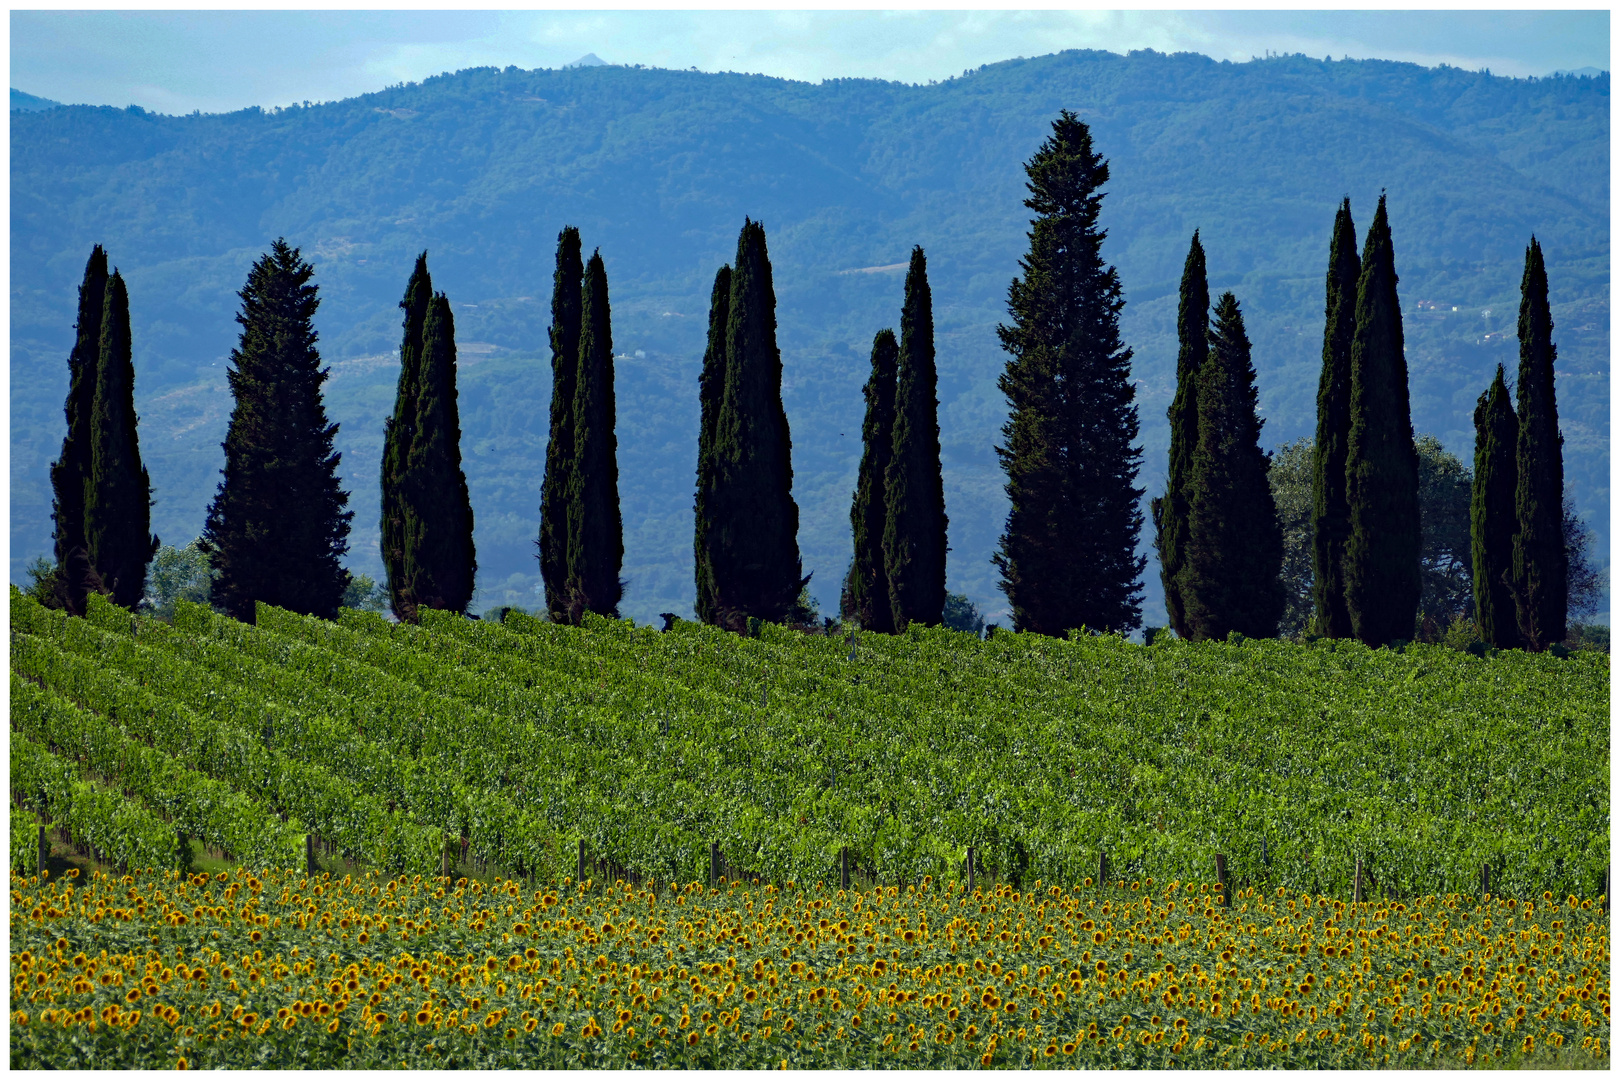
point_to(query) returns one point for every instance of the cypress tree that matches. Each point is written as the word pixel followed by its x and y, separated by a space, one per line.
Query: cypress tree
pixel 440 562
pixel 71 470
pixel 1540 561
pixel 915 524
pixel 118 492
pixel 711 389
pixel 566 309
pixel 277 526
pixel 1492 517
pixel 1170 511
pixel 1068 554
pixel 397 433
pixel 595 532
pixel 1330 509
pixel 868 585
pixel 1383 551
pixel 1230 579
pixel 754 531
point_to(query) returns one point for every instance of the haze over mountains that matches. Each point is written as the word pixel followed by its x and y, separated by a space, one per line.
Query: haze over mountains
pixel 658 168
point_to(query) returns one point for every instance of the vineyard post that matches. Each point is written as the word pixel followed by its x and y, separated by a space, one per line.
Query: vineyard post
pixel 581 878
pixel 1355 894
pixel 1484 880
pixel 843 868
pixel 1102 868
pixel 714 864
pixel 310 865
pixel 970 868
pixel 44 848
pixel 1220 876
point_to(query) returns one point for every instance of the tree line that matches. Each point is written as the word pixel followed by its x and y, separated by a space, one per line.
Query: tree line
pixel 278 525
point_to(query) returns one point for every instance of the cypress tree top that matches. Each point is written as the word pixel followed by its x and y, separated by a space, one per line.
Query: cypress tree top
pixel 1170 512
pixel 398 432
pixel 868 585
pixel 595 532
pixel 1540 562
pixel 70 471
pixel 711 389
pixel 1491 513
pixel 1330 508
pixel 566 309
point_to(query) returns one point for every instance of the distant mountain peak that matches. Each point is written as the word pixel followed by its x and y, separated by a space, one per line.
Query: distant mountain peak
pixel 1583 72
pixel 21 102
pixel 590 59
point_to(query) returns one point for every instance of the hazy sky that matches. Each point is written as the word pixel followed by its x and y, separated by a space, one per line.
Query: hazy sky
pixel 175 62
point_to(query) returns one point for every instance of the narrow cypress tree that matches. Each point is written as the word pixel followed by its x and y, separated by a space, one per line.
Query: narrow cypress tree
pixel 1330 509
pixel 1492 518
pixel 566 305
pixel 440 562
pixel 754 532
pixel 72 469
pixel 868 585
pixel 1230 579
pixel 1540 562
pixel 1382 554
pixel 397 433
pixel 914 528
pixel 711 388
pixel 1170 511
pixel 595 531
pixel 277 526
pixel 118 492
pixel 1068 554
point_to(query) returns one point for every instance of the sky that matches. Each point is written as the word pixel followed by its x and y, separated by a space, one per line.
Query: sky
pixel 215 61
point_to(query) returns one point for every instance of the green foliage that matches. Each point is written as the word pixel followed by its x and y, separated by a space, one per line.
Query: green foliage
pixel 1330 508
pixel 567 308
pixel 363 594
pixel 962 615
pixel 866 588
pixel 1382 582
pixel 711 391
pixel 1492 523
pixel 71 471
pixel 398 432
pixel 1068 553
pixel 1170 511
pixel 184 574
pixel 595 527
pixel 1540 558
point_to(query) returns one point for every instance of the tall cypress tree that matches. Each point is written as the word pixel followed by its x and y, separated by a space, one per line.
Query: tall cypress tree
pixel 868 586
pixel 70 471
pixel 1382 554
pixel 1492 517
pixel 1068 554
pixel 118 492
pixel 397 434
pixel 1170 511
pixel 277 527
pixel 1330 509
pixel 566 309
pixel 440 563
pixel 1230 579
pixel 754 531
pixel 914 528
pixel 711 389
pixel 1540 561
pixel 595 531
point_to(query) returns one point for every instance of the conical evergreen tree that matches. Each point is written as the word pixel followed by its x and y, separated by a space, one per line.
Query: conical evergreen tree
pixel 277 527
pixel 1492 516
pixel 118 492
pixel 1540 561
pixel 867 589
pixel 711 389
pixel 1382 583
pixel 72 469
pixel 1330 509
pixel 1230 579
pixel 754 531
pixel 397 435
pixel 566 308
pixel 1170 511
pixel 595 531
pixel 440 561
pixel 1068 555
pixel 914 529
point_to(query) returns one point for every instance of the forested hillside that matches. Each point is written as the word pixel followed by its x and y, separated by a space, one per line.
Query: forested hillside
pixel 658 168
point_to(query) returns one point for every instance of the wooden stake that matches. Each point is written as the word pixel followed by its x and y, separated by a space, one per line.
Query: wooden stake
pixel 971 861
pixel 1102 868
pixel 1220 876
pixel 1355 894
pixel 44 848
pixel 581 878
pixel 1484 881
pixel 843 868
pixel 714 865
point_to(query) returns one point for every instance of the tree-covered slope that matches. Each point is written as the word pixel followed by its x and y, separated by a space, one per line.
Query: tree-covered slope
pixel 658 168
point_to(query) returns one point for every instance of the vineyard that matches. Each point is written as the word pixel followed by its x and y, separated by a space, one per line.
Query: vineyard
pixel 511 748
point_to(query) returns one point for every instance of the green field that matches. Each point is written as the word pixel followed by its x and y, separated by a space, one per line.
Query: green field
pixel 522 740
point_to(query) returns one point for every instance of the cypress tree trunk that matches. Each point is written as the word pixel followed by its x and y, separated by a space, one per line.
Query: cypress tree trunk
pixel 1492 515
pixel 914 528
pixel 1382 554
pixel 71 470
pixel 711 388
pixel 1234 545
pixel 1068 555
pixel 754 534
pixel 440 561
pixel 1170 511
pixel 277 526
pixel 867 588
pixel 595 532
pixel 1540 562
pixel 397 437
pixel 566 307
pixel 118 492
pixel 1330 509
